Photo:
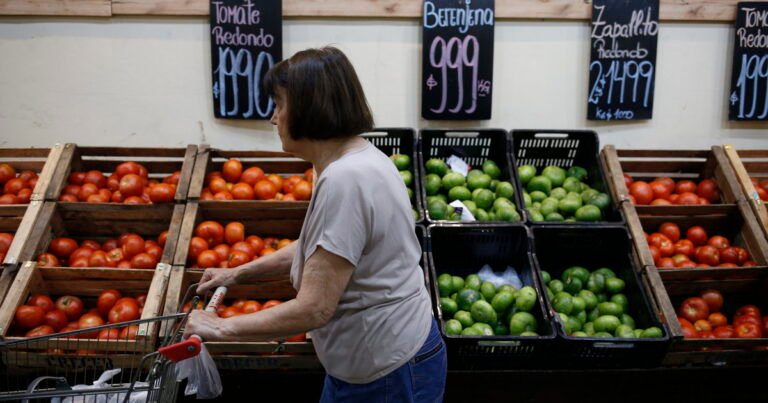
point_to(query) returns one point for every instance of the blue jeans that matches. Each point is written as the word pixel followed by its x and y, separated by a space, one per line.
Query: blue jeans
pixel 422 379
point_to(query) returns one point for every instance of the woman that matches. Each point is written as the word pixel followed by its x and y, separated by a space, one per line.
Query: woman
pixel 355 266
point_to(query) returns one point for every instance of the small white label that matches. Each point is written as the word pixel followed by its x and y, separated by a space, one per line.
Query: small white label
pixel 466 215
pixel 457 164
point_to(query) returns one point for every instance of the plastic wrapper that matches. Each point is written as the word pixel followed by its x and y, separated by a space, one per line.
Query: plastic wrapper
pixel 101 388
pixel 508 276
pixel 201 374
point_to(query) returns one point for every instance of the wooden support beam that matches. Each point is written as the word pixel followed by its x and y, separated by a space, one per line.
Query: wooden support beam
pixel 68 8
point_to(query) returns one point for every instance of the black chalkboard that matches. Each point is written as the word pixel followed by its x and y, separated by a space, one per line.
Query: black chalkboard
pixel 457 59
pixel 246 41
pixel 622 67
pixel 748 99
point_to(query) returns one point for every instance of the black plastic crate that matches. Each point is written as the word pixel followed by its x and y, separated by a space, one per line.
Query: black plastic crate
pixel 474 146
pixel 401 141
pixel 462 250
pixel 564 148
pixel 558 248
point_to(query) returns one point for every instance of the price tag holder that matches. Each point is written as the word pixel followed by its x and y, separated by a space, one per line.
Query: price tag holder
pixel 622 65
pixel 457 59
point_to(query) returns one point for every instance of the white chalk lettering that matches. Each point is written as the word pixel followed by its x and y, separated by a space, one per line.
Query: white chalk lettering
pixel 463 18
pixel 241 15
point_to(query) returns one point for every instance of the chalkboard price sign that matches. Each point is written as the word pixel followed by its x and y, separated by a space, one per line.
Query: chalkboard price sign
pixel 749 76
pixel 246 41
pixel 457 59
pixel 623 58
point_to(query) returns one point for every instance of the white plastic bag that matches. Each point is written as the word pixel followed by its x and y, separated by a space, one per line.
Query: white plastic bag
pixel 466 215
pixel 104 396
pixel 509 276
pixel 201 374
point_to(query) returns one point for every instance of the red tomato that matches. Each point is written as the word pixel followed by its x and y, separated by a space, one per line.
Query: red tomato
pixel 141 300
pixel 62 247
pixel 28 317
pixel 265 189
pixel 747 310
pixel 72 306
pixel 709 190
pixel 47 260
pixel 724 332
pixel 719 242
pixel 689 331
pixel 56 319
pixel 115 256
pixel 24 196
pixel 231 170
pixel 132 246
pixel 162 238
pixel 243 191
pixel 229 312
pixel 211 231
pixel 251 306
pixel 7 173
pixel 234 232
pixel 238 258
pixel 694 309
pixel 98 259
pixel 713 299
pixel 79 262
pixel 748 331
pixel 671 231
pixel 697 235
pixel 125 309
pixel 244 247
pixel 685 186
pixel 9 199
pixel 173 179
pixel 703 325
pixel 218 185
pixel 271 303
pixel 41 330
pixel 107 300
pixel 223 196
pixel 299 338
pixel 131 185
pixel 73 190
pixel 14 185
pixel 109 334
pixel 707 255
pixel 87 321
pixel 129 332
pixel 5 241
pixel 687 198
pixel 95 177
pixel 208 259
pixel 679 259
pixel 222 251
pixel 252 175
pixel 256 242
pixel 129 167
pixel 113 182
pixel 743 254
pixel 685 247
pixel 117 197
pixel 642 192
pixel 717 319
pixel 302 190
pixel 729 255
pixel 162 193
pixel 196 246
pixel 655 254
pixel 748 319
pixel 76 178
pixel 143 261
pixel 154 251
pixel 660 190
pixel 43 301
pixel 666 247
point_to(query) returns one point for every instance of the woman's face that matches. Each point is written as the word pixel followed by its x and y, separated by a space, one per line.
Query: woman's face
pixel 280 119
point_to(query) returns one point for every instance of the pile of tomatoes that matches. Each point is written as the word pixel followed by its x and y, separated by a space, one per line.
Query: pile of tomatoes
pixel 698 249
pixel 129 184
pixel 665 191
pixel 41 315
pixel 5 244
pixel 215 245
pixel 16 188
pixel 129 251
pixel 761 187
pixel 701 318
pixel 234 183
pixel 242 307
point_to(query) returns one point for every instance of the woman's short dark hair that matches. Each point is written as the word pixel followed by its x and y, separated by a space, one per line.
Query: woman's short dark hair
pixel 325 98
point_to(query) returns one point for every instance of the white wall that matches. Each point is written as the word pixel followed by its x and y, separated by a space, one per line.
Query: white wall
pixel 146 82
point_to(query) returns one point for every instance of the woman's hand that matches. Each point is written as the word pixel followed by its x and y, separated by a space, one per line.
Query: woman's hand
pixel 213 278
pixel 207 325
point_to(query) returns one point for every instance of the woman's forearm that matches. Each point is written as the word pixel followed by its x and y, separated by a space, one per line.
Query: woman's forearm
pixel 272 266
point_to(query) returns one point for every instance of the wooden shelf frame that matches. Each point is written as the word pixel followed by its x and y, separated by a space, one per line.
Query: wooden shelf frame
pixel 722 11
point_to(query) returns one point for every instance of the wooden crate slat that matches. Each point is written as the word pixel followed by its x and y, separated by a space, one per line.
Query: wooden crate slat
pixel 680 154
pixel 75 274
pixel 36 166
pixel 131 152
pixel 13 210
pixel 672 169
pixel 24 235
pixel 711 273
pixel 747 153
pixel 157 169
pixel 682 209
pixel 14 153
pixel 664 305
pixel 17 294
pixel 759 168
pixel 114 211
pixel 758 208
pixel 83 8
pixel 182 189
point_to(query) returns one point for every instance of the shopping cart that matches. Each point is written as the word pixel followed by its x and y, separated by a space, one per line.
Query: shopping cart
pixel 110 363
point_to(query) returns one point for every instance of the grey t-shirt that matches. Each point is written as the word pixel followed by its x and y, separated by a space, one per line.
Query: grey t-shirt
pixel 360 211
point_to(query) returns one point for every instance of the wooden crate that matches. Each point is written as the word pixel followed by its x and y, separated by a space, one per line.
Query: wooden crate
pixel 277 222
pixel 104 221
pixel 746 164
pixel 160 162
pixel 734 221
pixel 87 283
pixel 43 161
pixel 284 164
pixel 18 220
pixel 737 292
pixel 676 164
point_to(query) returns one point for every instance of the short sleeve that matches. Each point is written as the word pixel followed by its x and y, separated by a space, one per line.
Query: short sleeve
pixel 340 220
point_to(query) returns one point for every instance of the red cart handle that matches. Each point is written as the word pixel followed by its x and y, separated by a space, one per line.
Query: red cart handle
pixel 191 346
